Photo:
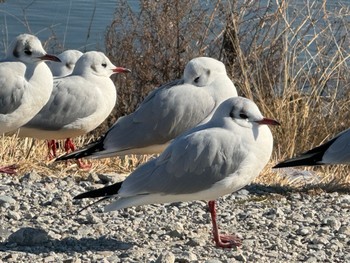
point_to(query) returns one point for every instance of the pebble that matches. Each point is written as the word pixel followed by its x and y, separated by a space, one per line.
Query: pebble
pixel 6 200
pixel 38 223
pixel 28 236
pixel 166 257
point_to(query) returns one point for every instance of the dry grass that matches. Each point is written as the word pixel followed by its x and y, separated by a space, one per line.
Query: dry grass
pixel 292 61
pixel 32 155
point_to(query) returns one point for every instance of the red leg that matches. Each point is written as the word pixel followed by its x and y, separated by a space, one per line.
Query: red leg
pixel 11 169
pixel 51 144
pixel 224 241
pixel 69 145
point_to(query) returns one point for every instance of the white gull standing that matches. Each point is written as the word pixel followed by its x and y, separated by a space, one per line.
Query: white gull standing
pixel 204 163
pixel 65 67
pixel 25 84
pixel 335 151
pixel 166 112
pixel 79 102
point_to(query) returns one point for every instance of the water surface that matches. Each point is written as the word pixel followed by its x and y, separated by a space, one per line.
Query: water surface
pixel 77 24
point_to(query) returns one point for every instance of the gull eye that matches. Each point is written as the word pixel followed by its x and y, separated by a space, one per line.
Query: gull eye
pixel 104 65
pixel 28 52
pixel 243 116
pixel 196 80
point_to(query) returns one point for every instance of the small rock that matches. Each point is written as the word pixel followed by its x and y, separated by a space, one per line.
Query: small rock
pixel 303 231
pixel 332 222
pixel 28 236
pixel 6 200
pixel 49 259
pixel 30 177
pixel 93 178
pixel 11 258
pixel 72 260
pixel 213 261
pixel 345 230
pixel 92 219
pixel 166 257
pixel 196 242
pixel 319 240
pixel 240 258
pixel 4 233
pixel 175 233
pixel 186 257
pixel 311 260
pixel 345 199
pixel 242 192
pixel 105 253
pixel 13 215
pixel 108 178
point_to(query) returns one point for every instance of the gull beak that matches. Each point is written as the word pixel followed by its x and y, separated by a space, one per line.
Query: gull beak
pixel 121 70
pixel 50 57
pixel 267 121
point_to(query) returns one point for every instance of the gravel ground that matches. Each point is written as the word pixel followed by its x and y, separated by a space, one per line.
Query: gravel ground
pixel 39 223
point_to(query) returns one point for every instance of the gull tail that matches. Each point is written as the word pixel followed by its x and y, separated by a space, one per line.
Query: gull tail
pixel 101 192
pixel 310 158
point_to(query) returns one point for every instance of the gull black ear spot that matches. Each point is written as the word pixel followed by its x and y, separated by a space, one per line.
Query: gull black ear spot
pixel 16 52
pixel 93 67
pixel 231 114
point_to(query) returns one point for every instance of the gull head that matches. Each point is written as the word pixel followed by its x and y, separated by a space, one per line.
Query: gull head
pixel 96 63
pixel 202 71
pixel 28 49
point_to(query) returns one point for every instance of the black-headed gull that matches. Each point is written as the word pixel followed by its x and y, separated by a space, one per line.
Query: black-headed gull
pixel 25 83
pixel 335 151
pixel 79 102
pixel 166 112
pixel 65 67
pixel 205 163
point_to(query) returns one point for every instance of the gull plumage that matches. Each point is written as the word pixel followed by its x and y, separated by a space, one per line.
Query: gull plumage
pixel 25 84
pixel 166 112
pixel 205 163
pixel 79 102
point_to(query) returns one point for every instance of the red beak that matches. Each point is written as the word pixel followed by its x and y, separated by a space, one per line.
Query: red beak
pixel 267 121
pixel 121 70
pixel 50 57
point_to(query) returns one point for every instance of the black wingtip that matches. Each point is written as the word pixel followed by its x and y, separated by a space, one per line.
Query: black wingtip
pixel 312 157
pixel 86 151
pixel 306 159
pixel 101 192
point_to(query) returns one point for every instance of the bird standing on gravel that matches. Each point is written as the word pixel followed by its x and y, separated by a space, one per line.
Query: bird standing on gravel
pixel 25 84
pixel 78 103
pixel 68 60
pixel 335 151
pixel 206 162
pixel 166 112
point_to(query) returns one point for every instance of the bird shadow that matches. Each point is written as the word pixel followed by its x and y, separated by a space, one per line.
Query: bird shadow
pixel 68 245
pixel 260 189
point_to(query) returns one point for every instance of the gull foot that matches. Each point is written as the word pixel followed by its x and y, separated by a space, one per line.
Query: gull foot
pixel 11 169
pixel 228 241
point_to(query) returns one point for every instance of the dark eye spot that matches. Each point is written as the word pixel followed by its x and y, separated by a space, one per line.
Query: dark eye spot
pixel 232 115
pixel 28 52
pixel 243 116
pixel 104 65
pixel 196 80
